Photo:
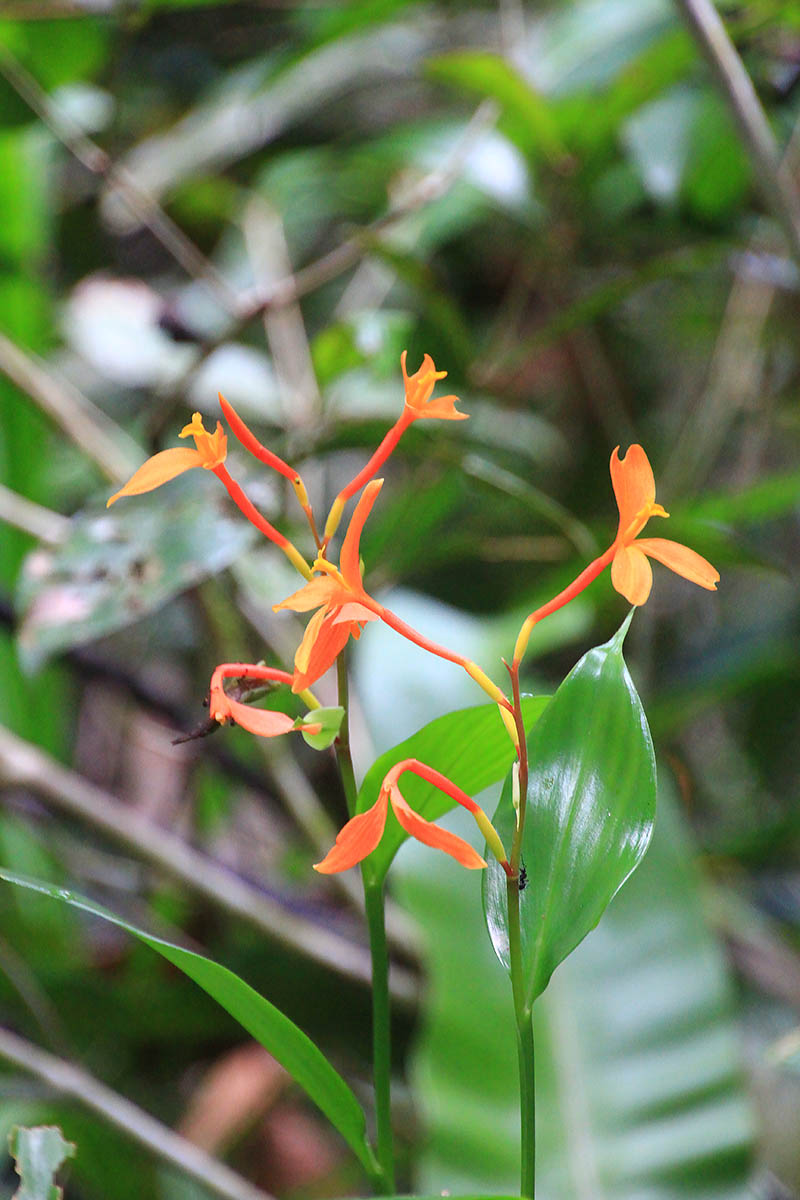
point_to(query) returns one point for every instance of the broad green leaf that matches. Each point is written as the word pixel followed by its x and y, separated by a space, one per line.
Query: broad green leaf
pixel 470 746
pixel 718 171
pixel 280 1036
pixel 590 811
pixel 640 1090
pixel 38 1154
pixel 119 565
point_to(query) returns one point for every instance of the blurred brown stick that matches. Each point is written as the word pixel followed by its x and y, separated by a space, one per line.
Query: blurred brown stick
pixel 98 162
pixel 66 1079
pixel 775 183
pixel 23 765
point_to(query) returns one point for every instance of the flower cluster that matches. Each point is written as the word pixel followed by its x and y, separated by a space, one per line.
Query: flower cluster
pixel 343 605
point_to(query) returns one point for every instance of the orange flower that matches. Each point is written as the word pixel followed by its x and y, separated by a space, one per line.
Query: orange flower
pixel 338 594
pixel 361 834
pixel 209 452
pixel 631 573
pixel 262 721
pixel 418 392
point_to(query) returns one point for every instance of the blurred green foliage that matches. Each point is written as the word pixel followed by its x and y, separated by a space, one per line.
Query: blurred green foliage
pixel 552 201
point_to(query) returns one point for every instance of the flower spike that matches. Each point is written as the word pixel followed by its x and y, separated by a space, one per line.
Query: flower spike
pixel 362 833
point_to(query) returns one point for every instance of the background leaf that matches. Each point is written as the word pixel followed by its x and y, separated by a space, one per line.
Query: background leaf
pixel 591 805
pixel 639 1081
pixel 118 566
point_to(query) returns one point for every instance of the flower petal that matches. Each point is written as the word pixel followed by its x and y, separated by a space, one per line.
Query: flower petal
pixel 162 467
pixel 322 642
pixel 432 835
pixel 631 574
pixel 681 560
pixel 316 592
pixel 349 556
pixel 444 408
pixel 356 840
pixel 353 611
pixel 633 482
pixel 262 721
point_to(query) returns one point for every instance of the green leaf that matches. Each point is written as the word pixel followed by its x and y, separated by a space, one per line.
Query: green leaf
pixel 590 812
pixel 470 746
pixel 330 719
pixel 280 1036
pixel 640 1089
pixel 38 1154
pixel 527 117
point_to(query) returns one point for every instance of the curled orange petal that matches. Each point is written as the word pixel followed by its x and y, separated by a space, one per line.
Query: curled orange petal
pixel 349 559
pixel 631 574
pixel 322 643
pixel 432 835
pixel 162 467
pixel 681 560
pixel 316 592
pixel 633 483
pixel 262 721
pixel 356 840
pixel 419 387
pixel 443 407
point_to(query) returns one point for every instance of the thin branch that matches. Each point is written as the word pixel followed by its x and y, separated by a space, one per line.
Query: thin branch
pixel 69 1080
pixel 40 522
pixel 23 765
pixel 113 450
pixel 259 301
pixel 736 86
pixel 737 360
pixel 98 162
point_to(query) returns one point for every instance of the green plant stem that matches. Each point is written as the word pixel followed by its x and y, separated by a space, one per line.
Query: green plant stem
pixel 376 926
pixel 381 1031
pixel 522 1010
pixel 525 1050
pixel 343 755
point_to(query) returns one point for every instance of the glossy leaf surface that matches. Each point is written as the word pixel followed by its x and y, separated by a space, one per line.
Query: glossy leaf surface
pixel 280 1036
pixel 470 746
pixel 640 1089
pixel 590 812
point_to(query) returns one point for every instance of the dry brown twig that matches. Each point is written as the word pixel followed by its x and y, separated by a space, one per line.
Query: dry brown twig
pixel 24 765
